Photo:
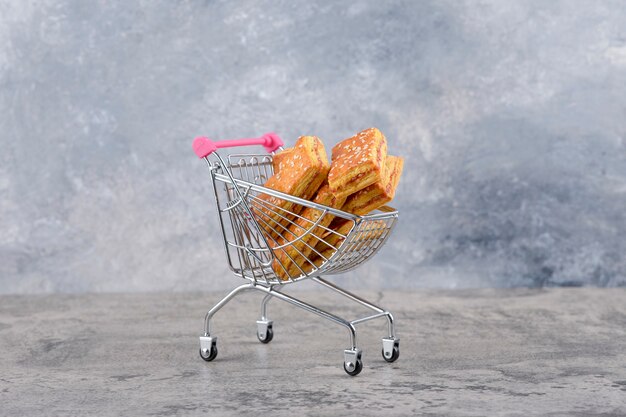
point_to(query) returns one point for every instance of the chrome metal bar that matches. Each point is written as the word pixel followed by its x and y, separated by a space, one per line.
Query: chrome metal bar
pixel 280 263
pixel 236 188
pixel 266 299
pixel 286 253
pixel 363 302
pixel 219 215
pixel 238 236
pixel 374 316
pixel 269 205
pixel 300 201
pixel 314 310
pixel 222 303
pixel 305 234
pixel 265 205
pixel 347 294
pixel 291 243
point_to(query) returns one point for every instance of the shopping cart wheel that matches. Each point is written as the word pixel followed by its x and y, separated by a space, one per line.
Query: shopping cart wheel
pixel 394 355
pixel 357 368
pixel 265 330
pixel 210 356
pixel 352 363
pixel 208 348
pixel 269 335
pixel 391 349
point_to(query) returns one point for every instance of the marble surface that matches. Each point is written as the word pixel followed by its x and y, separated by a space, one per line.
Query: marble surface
pixel 511 116
pixel 555 352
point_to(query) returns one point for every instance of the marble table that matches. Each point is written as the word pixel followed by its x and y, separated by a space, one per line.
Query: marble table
pixel 515 352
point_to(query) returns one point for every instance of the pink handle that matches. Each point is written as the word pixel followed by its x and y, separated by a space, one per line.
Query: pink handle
pixel 204 147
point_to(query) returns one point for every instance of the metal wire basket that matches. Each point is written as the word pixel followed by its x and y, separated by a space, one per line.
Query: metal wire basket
pixel 250 240
pixel 255 230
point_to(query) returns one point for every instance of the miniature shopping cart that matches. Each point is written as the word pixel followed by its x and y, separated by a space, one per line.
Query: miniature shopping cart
pixel 250 243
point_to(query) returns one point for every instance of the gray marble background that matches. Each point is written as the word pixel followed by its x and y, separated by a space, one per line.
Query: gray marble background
pixel 512 116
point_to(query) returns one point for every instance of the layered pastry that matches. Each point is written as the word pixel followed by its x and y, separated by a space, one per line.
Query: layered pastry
pixel 361 179
pixel 357 162
pixel 301 171
pixel 327 246
pixel 340 228
pixel 280 159
pixel 378 194
pixel 292 260
pixel 364 202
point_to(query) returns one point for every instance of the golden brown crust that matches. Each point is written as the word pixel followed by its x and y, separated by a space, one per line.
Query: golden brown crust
pixel 342 228
pixel 357 162
pixel 293 260
pixel 301 172
pixel 378 194
pixel 280 159
pixel 361 179
pixel 318 260
pixel 332 241
pixel 326 252
pixel 364 202
pixel 307 160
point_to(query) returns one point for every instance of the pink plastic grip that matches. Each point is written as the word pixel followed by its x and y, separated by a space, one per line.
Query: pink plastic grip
pixel 204 147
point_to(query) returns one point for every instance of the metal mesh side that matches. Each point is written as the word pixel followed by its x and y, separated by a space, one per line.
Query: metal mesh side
pixel 269 243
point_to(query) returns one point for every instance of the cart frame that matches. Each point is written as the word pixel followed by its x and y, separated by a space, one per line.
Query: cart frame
pixel 250 249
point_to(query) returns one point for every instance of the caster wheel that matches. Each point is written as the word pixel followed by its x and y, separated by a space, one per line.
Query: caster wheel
pixel 357 369
pixel 394 355
pixel 269 335
pixel 211 355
